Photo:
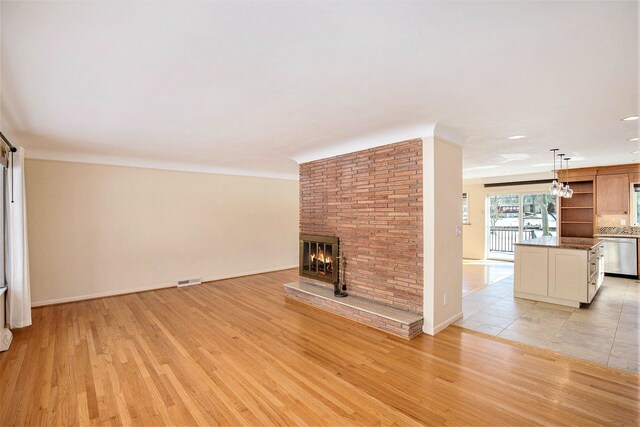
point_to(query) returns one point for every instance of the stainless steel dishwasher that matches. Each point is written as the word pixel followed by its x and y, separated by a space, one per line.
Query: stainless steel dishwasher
pixel 620 255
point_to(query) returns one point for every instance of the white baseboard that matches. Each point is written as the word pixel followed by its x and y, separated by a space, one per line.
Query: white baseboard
pixel 150 287
pixel 101 294
pixel 442 325
pixel 247 273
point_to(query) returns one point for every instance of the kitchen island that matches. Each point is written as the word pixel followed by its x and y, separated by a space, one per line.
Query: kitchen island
pixel 566 270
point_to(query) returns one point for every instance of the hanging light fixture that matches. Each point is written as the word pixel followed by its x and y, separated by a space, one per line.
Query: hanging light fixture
pixel 555 187
pixel 568 192
pixel 563 189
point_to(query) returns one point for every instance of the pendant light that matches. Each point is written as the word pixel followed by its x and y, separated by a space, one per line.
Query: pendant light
pixel 555 187
pixel 563 189
pixel 568 192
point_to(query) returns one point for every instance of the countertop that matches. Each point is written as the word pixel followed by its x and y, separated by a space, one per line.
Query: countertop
pixel 621 236
pixel 581 243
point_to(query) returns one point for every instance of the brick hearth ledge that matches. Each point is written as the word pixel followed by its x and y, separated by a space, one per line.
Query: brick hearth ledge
pixel 398 322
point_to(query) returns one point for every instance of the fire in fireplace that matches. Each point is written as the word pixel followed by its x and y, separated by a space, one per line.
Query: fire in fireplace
pixel 319 257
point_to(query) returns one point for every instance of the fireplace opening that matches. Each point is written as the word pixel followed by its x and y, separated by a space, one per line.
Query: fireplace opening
pixel 319 257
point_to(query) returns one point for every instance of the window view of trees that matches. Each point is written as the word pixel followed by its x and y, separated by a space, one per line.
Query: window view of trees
pixel 507 226
pixel 539 213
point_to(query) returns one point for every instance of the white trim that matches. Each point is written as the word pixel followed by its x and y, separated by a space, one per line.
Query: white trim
pixel 101 294
pixel 248 273
pixel 443 325
pixel 96 159
pixel 544 298
pixel 634 203
pixel 447 134
pixel 444 140
pixel 150 287
pixel 389 136
pixel 507 178
pixel 428 231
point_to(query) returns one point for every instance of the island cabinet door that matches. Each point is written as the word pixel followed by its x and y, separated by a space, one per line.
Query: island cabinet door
pixel 530 275
pixel 568 274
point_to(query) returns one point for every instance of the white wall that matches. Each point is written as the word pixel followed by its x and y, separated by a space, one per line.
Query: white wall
pixel 442 243
pixel 98 230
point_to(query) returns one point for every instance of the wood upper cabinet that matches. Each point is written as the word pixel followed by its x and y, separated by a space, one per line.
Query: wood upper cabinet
pixel 612 194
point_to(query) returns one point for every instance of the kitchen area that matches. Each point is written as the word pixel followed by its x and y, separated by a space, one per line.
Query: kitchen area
pixel 574 291
pixel 598 232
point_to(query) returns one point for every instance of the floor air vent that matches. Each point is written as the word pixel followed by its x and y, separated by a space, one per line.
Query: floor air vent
pixel 189 282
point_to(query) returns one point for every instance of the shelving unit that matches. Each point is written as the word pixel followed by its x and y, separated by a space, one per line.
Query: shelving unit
pixel 577 217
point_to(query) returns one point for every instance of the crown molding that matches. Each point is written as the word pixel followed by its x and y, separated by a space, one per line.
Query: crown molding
pixel 372 140
pixel 61 156
pixel 508 178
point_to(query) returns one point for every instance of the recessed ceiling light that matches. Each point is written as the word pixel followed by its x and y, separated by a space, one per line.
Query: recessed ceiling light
pixel 635 152
pixel 630 118
pixel 517 137
pixel 633 139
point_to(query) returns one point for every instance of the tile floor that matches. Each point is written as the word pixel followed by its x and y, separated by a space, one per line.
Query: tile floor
pixel 478 274
pixel 605 331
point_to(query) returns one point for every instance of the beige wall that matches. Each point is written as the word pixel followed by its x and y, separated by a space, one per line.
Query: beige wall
pixel 442 234
pixel 473 236
pixel 99 230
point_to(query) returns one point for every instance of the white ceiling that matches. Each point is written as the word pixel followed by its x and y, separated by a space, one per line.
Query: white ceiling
pixel 245 87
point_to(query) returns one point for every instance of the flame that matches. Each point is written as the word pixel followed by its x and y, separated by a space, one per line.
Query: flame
pixel 322 257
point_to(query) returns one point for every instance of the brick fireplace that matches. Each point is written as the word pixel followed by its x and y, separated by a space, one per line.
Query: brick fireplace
pixel 319 257
pixel 372 201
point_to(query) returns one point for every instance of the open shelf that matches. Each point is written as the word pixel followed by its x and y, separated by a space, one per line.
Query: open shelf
pixel 577 213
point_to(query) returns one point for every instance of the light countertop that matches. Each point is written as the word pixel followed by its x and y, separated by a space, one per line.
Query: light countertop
pixel 581 243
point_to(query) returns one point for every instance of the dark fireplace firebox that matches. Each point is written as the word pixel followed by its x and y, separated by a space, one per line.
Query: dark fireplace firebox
pixel 319 259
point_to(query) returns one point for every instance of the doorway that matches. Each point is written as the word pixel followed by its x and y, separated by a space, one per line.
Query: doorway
pixel 516 217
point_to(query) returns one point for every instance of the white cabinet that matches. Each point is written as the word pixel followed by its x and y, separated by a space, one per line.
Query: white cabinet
pixel 568 274
pixel 558 275
pixel 530 272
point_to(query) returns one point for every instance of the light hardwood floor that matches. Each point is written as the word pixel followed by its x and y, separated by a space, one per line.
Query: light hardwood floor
pixel 235 352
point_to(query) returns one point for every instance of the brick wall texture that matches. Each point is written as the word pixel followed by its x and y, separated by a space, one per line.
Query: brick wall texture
pixel 372 201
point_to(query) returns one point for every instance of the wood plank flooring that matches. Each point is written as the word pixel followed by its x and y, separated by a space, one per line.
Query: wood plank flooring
pixel 234 352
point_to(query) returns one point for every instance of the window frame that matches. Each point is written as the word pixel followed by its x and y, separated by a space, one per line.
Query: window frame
pixel 465 204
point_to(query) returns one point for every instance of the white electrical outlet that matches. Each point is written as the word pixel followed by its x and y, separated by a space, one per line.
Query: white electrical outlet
pixel 445 299
pixel 159 269
pixel 623 222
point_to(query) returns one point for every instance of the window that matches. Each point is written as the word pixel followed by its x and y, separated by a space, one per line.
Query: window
pixel 635 204
pixel 465 209
pixel 516 217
